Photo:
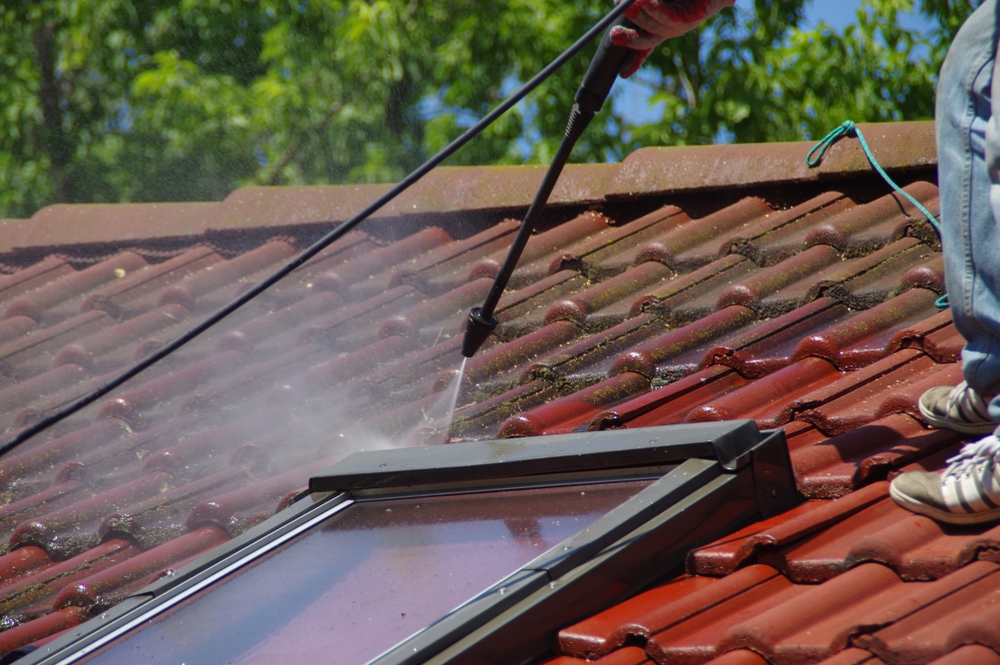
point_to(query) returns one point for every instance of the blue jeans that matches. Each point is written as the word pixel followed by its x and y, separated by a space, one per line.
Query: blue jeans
pixel 968 160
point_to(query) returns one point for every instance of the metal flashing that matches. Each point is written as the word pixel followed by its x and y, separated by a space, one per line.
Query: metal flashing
pixel 728 442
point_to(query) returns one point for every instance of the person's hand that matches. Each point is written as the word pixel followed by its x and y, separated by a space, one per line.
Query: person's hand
pixel 658 20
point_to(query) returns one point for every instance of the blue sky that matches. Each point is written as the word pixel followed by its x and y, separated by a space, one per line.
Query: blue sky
pixel 841 13
pixel 632 102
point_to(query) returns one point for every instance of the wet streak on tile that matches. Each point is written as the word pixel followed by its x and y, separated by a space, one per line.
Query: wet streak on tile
pixel 652 357
pixel 670 404
pixel 21 562
pixel 576 409
pixel 766 399
pixel 593 355
pixel 482 419
pixel 870 335
pixel 509 359
pixel 70 530
pixel 39 587
pixel 45 626
pixel 161 518
pixel 97 592
pixel 769 346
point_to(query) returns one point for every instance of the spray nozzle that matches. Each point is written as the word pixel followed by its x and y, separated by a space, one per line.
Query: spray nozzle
pixel 477 329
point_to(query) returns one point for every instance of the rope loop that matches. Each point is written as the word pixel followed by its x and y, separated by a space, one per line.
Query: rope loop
pixel 848 128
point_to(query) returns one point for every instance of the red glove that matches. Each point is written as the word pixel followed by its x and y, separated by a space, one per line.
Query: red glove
pixel 658 20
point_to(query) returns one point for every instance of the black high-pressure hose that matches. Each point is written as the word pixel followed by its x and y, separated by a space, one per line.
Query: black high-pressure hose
pixel 589 99
pixel 136 368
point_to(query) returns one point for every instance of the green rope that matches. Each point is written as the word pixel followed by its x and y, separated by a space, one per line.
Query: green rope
pixel 848 128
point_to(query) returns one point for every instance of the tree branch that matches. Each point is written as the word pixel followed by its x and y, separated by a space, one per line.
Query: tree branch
pixel 55 143
pixel 294 150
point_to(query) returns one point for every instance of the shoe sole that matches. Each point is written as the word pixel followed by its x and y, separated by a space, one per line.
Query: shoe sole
pixel 911 504
pixel 961 428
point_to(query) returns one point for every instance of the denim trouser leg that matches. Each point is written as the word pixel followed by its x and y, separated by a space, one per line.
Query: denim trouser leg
pixel 970 234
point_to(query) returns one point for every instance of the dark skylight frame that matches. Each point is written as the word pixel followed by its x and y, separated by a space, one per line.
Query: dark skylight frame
pixel 713 479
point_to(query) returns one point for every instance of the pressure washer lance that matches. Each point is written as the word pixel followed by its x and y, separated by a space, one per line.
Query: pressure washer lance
pixel 589 99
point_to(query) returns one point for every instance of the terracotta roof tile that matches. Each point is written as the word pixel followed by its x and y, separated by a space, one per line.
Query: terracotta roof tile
pixel 652 304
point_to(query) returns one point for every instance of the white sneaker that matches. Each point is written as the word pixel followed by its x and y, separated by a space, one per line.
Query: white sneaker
pixel 966 492
pixel 960 409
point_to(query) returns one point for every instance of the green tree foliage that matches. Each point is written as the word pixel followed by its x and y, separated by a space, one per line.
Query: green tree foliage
pixel 146 100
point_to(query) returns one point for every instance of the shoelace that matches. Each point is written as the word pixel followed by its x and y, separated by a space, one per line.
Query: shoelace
pixel 971 456
pixel 957 394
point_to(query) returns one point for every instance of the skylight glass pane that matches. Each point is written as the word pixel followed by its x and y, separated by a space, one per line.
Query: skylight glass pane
pixel 367 578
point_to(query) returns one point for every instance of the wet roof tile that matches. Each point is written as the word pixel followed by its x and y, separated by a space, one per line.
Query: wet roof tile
pixel 652 304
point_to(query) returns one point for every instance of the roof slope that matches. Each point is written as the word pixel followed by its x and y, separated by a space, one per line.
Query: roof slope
pixel 684 285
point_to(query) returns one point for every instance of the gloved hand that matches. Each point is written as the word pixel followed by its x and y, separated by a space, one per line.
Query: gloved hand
pixel 658 20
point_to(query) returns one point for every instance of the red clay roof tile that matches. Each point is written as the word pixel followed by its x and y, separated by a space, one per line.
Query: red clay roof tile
pixel 815 313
